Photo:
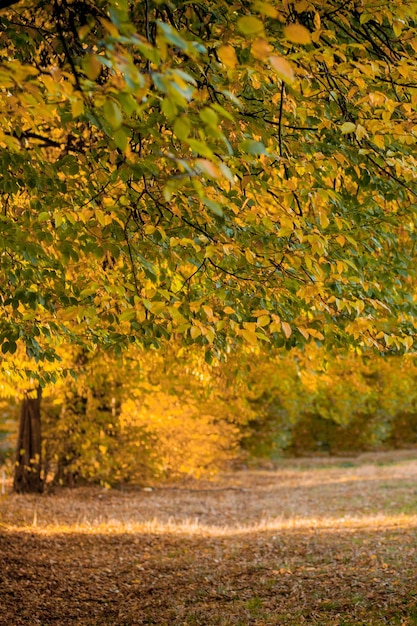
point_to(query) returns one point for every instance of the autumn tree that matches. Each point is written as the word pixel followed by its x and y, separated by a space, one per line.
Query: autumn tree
pixel 211 171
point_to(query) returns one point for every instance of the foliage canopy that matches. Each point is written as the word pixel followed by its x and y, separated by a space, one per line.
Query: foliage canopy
pixel 218 172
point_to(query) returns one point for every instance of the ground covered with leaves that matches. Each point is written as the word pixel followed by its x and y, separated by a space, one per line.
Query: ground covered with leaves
pixel 325 542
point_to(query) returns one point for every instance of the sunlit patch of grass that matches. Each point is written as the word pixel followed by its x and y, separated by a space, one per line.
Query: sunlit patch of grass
pixel 193 527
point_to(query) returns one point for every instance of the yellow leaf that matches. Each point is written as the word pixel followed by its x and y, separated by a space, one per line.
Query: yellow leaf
pixel 208 311
pixel 315 333
pixel 408 342
pixel 263 337
pixel 379 141
pixel 359 306
pixel 261 49
pixel 227 56
pixel 157 307
pixel 58 218
pixel 228 310
pixel 263 320
pixel 297 33
pixel 195 332
pixel 324 220
pixel 209 334
pixel 347 127
pixel 92 66
pixel 286 329
pixel 301 6
pixel 397 27
pixel 265 8
pixel 303 331
pixel 274 327
pixel 360 132
pixel 282 68
pixel 389 340
pixel 109 26
pixel 77 107
pixel 141 315
pixel 249 255
pixel 250 336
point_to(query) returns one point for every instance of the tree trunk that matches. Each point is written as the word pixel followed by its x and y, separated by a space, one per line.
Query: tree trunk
pixel 27 475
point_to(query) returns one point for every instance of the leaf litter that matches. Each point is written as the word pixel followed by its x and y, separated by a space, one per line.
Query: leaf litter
pixel 312 541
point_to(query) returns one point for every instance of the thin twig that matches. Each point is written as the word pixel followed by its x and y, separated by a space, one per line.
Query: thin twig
pixel 281 107
pixel 132 263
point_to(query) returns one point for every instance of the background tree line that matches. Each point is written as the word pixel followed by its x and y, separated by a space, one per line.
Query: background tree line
pixel 145 418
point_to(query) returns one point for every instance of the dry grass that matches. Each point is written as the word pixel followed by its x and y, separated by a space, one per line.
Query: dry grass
pixel 306 543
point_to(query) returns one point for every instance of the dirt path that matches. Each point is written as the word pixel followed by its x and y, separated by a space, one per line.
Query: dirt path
pixel 307 544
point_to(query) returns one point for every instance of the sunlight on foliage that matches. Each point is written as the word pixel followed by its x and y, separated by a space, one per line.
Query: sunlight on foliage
pixel 184 440
pixel 222 173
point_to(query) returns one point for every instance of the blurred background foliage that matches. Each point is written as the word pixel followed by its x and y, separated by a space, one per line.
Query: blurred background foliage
pixel 153 416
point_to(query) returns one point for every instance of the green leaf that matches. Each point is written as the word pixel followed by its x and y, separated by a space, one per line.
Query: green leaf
pixel 250 25
pixel 182 127
pixel 169 108
pixel 213 206
pixel 120 137
pixel 253 147
pixel 172 36
pixel 9 347
pixel 200 148
pixel 209 117
pixel 112 113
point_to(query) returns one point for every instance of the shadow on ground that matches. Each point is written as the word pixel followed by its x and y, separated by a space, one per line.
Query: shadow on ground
pixel 291 577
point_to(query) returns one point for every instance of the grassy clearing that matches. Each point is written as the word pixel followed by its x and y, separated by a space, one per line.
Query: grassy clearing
pixel 300 544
